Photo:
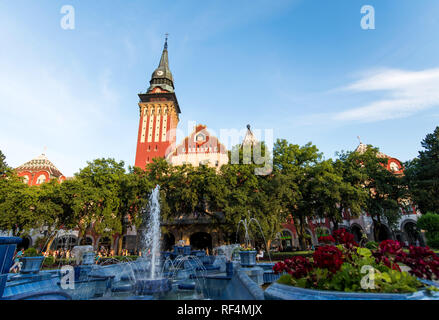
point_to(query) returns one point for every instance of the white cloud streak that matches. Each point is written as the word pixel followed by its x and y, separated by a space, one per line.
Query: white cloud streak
pixel 408 92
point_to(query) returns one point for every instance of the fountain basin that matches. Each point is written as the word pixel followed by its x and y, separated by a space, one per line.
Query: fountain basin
pixel 248 258
pixel 152 286
pixel 277 291
pixel 31 264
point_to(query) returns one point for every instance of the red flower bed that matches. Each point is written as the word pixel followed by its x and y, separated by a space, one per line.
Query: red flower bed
pixel 327 239
pixel 298 267
pixel 390 247
pixel 423 262
pixel 328 257
pixel 344 237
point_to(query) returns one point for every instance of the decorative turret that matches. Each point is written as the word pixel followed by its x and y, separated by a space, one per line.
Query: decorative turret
pixel 162 76
pixel 249 138
pixel 39 170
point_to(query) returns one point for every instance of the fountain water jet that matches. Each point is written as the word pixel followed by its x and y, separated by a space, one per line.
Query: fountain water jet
pixel 151 241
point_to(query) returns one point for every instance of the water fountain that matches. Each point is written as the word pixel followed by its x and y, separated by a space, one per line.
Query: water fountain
pixel 248 257
pixel 154 283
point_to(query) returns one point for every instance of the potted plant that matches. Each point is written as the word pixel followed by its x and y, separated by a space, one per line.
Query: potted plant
pixel 347 271
pixel 31 261
pixel 248 256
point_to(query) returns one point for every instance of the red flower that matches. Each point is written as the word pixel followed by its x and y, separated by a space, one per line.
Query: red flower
pixel 327 239
pixel 328 257
pixel 298 267
pixel 423 262
pixel 390 247
pixel 344 237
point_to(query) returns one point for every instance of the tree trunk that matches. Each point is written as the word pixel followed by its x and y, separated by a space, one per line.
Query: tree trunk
pixel 120 240
pixel 300 232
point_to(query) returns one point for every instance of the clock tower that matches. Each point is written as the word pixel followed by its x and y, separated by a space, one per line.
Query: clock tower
pixel 159 115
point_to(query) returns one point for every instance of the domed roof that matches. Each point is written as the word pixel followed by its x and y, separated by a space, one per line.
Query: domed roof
pixel 40 163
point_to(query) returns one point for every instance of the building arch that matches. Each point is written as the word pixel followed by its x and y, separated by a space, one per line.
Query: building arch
pixel 65 242
pixel 357 231
pixel 286 240
pixel 382 232
pixel 201 241
pixel 86 241
pixel 168 241
pixel 26 242
pixel 410 234
pixel 312 240
pixel 105 243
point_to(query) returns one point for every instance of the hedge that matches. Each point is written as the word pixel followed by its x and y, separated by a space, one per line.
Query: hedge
pixel 287 255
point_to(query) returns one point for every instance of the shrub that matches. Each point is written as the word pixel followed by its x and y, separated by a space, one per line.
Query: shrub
pixel 31 252
pixel 49 261
pixel 430 223
pixel 288 255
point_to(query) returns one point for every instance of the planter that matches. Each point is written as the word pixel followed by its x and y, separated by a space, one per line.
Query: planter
pixel 3 279
pixel 184 250
pixel 7 250
pixel 278 291
pixel 248 258
pixel 229 268
pixel 88 258
pixel 31 264
pixel 198 253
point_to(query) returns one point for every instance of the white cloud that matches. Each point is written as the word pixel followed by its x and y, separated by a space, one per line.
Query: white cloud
pixel 408 92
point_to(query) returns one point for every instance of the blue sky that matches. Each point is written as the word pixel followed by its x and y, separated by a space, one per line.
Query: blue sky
pixel 305 69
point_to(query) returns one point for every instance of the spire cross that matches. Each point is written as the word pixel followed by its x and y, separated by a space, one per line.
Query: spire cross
pixel 166 40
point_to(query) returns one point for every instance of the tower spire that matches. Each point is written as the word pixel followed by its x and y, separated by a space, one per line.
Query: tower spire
pixel 162 76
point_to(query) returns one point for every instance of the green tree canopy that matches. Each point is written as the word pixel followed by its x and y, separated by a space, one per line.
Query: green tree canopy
pixel 422 174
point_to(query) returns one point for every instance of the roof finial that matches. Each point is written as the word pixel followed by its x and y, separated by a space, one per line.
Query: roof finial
pixel 248 127
pixel 44 150
pixel 359 139
pixel 166 40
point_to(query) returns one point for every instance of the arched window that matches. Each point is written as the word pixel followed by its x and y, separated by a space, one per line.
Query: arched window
pixel 26 179
pixel 41 179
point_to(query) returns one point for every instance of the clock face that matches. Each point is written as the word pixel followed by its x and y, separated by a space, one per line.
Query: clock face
pixel 160 73
pixel 394 166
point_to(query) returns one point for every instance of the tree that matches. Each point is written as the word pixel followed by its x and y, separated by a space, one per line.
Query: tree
pixel 353 195
pixel 17 206
pixel 248 194
pixel 3 165
pixel 134 191
pixel 422 174
pixel 293 180
pixel 385 190
pixel 98 185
